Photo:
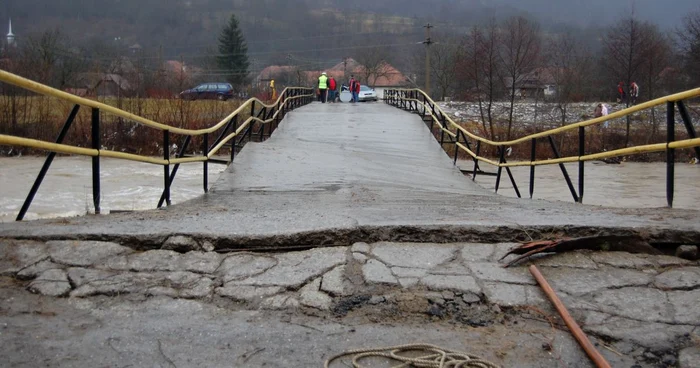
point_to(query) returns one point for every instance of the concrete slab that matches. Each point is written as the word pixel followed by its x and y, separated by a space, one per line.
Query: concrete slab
pixel 636 310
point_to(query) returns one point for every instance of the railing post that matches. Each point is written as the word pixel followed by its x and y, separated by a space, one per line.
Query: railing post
pixel 581 163
pixel 173 173
pixel 252 112
pixel 563 169
pixel 233 141
pixel 279 112
pixel 533 154
pixel 688 125
pixel 166 167
pixel 501 157
pixel 205 152
pixel 47 164
pixel 96 160
pixel 476 160
pixel 264 117
pixel 250 131
pixel 262 132
pixel 442 131
pixel 459 132
pixel 670 152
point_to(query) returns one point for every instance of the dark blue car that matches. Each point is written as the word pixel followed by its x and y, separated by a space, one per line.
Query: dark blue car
pixel 209 91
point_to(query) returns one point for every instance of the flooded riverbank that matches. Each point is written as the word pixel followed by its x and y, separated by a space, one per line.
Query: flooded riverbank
pixel 628 185
pixel 67 189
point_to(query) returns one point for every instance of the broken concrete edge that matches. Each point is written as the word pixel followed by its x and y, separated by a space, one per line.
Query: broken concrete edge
pixel 370 234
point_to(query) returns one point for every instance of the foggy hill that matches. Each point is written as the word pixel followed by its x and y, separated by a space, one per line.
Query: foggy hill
pixel 190 27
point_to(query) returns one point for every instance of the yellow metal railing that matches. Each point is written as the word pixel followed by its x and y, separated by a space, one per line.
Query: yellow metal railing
pixel 290 98
pixel 428 102
pixel 411 99
pixel 41 89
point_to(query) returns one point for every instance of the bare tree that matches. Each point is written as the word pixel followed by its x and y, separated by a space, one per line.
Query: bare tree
pixel 469 74
pixel 520 55
pixel 569 65
pixel 443 66
pixel 41 52
pixel 689 40
pixel 374 65
pixel 480 70
pixel 623 54
pixel 657 56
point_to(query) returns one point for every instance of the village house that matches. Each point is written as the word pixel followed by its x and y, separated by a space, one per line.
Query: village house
pixel 384 77
pixel 101 85
pixel 539 83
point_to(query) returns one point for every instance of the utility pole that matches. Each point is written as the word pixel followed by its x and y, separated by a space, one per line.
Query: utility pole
pixel 427 43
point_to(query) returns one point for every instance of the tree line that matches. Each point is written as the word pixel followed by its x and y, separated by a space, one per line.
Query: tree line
pixel 491 60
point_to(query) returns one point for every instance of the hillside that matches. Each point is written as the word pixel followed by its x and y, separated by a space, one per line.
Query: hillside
pixel 190 26
pixel 302 32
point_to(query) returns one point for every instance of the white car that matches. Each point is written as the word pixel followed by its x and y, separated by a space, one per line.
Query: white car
pixel 367 94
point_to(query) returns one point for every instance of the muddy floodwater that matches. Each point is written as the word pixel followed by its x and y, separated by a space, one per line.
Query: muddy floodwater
pixel 627 185
pixel 67 189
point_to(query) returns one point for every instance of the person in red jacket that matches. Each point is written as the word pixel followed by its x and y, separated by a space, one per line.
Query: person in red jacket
pixel 355 89
pixel 622 96
pixel 332 88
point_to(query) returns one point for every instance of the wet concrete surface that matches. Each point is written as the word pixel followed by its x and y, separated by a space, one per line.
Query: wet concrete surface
pixel 340 168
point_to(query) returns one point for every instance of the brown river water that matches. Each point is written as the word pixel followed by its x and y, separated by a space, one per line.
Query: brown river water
pixel 67 189
pixel 627 185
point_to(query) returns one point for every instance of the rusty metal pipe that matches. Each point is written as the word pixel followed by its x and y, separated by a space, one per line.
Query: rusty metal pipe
pixel 580 336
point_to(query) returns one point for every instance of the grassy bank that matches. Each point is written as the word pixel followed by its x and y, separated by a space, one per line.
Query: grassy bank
pixel 40 117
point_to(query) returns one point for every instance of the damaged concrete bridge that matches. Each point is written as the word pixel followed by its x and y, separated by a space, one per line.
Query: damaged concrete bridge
pixel 350 227
pixel 333 174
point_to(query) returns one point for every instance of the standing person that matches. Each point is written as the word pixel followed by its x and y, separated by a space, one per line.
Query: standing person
pixel 323 87
pixel 622 97
pixel 354 88
pixel 634 92
pixel 356 92
pixel 273 91
pixel 332 87
pixel 601 110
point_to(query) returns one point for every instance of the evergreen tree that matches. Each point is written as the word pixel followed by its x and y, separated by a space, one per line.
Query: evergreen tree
pixel 233 53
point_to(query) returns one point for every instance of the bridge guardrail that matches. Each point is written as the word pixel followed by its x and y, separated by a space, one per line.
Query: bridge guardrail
pixel 417 101
pixel 267 115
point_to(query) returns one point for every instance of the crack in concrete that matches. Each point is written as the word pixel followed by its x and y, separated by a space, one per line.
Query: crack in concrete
pixel 393 233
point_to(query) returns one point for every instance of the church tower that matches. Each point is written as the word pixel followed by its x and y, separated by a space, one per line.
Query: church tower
pixel 10 36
